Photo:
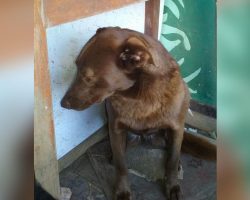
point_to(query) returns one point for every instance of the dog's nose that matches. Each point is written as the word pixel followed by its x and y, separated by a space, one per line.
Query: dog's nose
pixel 65 104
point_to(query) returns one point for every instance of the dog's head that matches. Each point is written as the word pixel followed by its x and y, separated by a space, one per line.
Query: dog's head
pixel 105 65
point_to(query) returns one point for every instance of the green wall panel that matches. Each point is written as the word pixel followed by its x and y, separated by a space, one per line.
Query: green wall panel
pixel 189 34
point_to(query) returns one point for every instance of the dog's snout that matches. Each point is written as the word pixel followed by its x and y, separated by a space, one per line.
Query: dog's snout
pixel 65 103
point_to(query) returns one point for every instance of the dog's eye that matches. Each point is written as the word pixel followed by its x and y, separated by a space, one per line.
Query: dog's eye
pixel 87 76
pixel 88 79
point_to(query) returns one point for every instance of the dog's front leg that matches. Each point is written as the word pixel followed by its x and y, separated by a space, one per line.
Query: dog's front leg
pixel 118 138
pixel 174 137
pixel 118 145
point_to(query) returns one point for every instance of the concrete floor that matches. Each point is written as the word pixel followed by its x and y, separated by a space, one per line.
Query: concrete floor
pixel 91 177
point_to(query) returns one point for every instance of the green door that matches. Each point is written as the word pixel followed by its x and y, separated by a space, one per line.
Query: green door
pixel 189 34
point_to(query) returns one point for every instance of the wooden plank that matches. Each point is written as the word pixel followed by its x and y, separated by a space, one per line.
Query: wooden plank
pixel 78 151
pixel 199 146
pixel 62 11
pixel 45 162
pixel 152 12
pixel 201 122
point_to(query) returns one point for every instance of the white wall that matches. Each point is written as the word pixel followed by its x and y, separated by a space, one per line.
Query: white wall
pixel 64 43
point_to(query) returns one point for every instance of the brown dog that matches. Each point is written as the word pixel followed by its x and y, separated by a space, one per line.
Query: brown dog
pixel 145 94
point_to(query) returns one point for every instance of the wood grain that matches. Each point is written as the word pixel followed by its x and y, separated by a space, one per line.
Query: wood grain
pixel 45 162
pixel 62 11
pixel 201 121
pixel 152 11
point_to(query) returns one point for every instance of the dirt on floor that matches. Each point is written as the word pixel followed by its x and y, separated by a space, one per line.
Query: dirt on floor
pixel 91 177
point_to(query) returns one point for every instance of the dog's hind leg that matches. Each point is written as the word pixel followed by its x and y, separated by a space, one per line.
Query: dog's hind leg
pixel 175 137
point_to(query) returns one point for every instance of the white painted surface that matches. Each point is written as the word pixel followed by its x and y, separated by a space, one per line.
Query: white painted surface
pixel 64 43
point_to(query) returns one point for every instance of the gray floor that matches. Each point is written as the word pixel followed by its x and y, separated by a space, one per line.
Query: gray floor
pixel 91 177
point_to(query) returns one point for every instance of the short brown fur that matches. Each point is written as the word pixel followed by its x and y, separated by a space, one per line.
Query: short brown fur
pixel 144 91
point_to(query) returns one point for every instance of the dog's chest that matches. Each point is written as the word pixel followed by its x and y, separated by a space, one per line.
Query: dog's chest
pixel 140 117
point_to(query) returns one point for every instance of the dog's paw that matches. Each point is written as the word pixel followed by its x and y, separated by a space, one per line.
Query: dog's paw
pixel 123 195
pixel 174 193
pixel 122 190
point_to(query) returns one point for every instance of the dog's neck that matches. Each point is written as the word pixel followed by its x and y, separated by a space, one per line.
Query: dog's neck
pixel 150 88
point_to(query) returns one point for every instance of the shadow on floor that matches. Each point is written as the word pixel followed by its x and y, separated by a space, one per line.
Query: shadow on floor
pixel 91 177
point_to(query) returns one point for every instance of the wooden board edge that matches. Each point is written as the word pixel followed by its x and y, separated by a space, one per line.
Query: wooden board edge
pixel 64 11
pixel 152 13
pixel 45 161
pixel 201 121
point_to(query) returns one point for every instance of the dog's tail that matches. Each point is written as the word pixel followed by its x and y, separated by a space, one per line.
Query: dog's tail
pixel 199 146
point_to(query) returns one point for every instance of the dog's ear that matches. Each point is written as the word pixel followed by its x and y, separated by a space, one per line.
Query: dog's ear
pixel 135 53
pixel 100 29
